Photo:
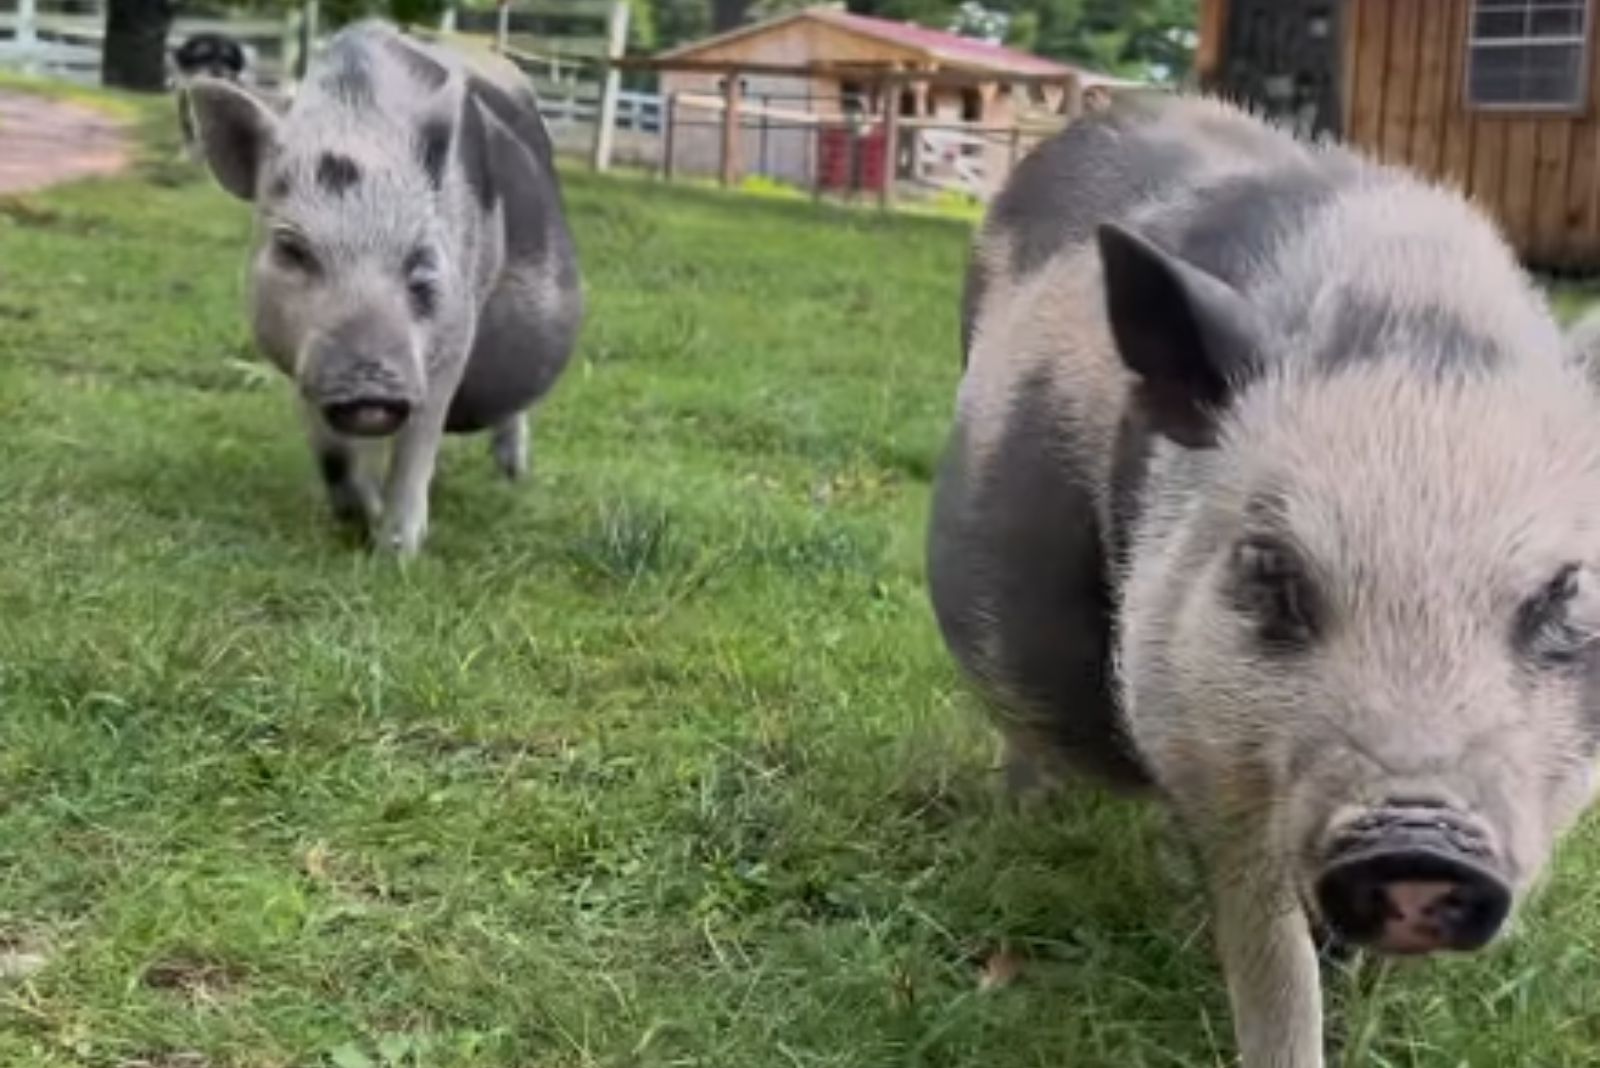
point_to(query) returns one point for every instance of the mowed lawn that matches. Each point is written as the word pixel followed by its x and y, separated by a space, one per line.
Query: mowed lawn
pixel 654 760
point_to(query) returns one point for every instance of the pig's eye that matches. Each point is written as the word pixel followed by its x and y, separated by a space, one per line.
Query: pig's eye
pixel 292 251
pixel 1553 626
pixel 422 283
pixel 1271 588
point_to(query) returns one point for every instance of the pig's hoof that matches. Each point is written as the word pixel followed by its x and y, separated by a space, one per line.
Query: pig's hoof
pixel 352 508
pixel 401 542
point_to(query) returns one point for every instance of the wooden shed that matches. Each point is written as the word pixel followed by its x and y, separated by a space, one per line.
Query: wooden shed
pixel 1498 97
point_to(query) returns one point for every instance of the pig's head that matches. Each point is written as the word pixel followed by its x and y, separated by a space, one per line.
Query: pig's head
pixel 1379 627
pixel 361 271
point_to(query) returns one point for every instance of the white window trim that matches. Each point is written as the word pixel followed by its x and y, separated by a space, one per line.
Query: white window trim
pixel 1569 108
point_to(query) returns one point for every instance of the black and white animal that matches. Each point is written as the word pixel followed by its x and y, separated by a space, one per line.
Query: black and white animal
pixel 412 268
pixel 208 55
pixel 1274 490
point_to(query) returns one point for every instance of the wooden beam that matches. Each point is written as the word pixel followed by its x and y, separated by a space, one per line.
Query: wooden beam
pixel 1209 50
pixel 867 70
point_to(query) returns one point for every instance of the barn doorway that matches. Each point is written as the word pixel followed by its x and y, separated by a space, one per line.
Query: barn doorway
pixel 1283 57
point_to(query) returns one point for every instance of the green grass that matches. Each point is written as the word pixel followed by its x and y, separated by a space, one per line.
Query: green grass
pixel 654 761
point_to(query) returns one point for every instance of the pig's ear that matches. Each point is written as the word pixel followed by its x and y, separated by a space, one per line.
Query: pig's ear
pixel 501 167
pixel 1188 335
pixel 236 130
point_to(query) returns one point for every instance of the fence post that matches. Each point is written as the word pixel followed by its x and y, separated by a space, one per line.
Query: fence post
pixel 27 24
pixel 669 136
pixel 605 124
pixel 447 20
pixel 313 27
pixel 289 60
pixel 502 25
pixel 730 129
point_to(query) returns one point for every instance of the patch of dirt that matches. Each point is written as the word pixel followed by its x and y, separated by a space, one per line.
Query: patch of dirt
pixel 51 141
pixel 166 1060
pixel 196 977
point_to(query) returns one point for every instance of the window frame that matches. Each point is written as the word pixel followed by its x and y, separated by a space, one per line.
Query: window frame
pixel 1584 40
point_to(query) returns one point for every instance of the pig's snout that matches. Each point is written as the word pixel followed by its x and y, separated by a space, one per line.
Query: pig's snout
pixel 1413 879
pixel 367 417
pixel 363 377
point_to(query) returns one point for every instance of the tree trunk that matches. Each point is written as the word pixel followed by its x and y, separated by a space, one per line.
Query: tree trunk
pixel 135 55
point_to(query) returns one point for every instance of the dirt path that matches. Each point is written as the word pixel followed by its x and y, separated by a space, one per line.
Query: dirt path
pixel 43 142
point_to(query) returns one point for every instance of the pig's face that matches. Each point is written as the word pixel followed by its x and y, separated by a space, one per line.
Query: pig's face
pixel 1396 610
pixel 1376 631
pixel 360 275
pixel 351 282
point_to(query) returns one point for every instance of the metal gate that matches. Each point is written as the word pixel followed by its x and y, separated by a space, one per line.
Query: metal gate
pixel 1283 57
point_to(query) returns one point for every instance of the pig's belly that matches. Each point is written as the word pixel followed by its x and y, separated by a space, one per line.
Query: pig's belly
pixel 516 358
pixel 1018 579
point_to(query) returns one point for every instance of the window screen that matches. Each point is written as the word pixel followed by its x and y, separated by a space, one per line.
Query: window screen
pixel 1528 53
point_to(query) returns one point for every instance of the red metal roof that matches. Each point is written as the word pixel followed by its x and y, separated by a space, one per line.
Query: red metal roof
pixel 948 46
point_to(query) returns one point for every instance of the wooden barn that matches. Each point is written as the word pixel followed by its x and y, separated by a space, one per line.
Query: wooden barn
pixel 810 73
pixel 1499 97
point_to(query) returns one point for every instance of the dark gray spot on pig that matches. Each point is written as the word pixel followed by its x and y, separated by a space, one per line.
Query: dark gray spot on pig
pixel 1017 560
pixel 278 188
pixel 422 289
pixel 520 116
pixel 1433 337
pixel 427 73
pixel 433 149
pixel 336 173
pixel 1240 222
pixel 524 193
pixel 472 148
pixel 1091 172
pixel 348 72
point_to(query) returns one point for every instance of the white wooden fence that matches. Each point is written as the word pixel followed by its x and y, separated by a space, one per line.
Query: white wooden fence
pixel 51 38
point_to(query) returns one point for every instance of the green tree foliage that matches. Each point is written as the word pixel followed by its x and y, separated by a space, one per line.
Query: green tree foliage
pixel 1136 38
pixel 1143 38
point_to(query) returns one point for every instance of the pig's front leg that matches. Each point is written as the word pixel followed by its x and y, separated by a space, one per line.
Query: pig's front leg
pixel 1270 963
pixel 351 493
pixel 405 491
pixel 416 452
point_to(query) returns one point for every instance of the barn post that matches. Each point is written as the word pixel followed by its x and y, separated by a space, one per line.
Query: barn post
pixel 605 127
pixel 730 128
pixel 669 136
pixel 890 90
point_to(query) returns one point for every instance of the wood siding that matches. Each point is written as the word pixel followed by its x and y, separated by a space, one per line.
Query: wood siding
pixel 1535 172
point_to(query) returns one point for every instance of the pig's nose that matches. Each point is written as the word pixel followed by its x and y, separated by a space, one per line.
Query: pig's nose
pixel 367 417
pixel 1412 900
